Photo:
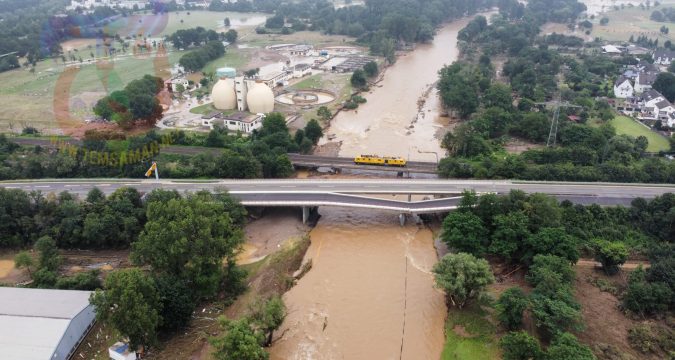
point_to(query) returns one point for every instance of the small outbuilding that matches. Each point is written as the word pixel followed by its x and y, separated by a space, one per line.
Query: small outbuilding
pixel 41 324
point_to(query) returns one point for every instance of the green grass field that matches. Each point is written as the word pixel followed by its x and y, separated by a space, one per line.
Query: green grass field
pixel 479 344
pixel 628 126
pixel 164 25
pixel 632 21
pixel 232 58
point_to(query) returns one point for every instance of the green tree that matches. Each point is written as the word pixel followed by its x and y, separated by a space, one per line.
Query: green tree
pixel 498 95
pixel 665 84
pixel 462 276
pixel 610 254
pixel 567 347
pixel 465 232
pixel 189 238
pixel 268 315
pixel 542 264
pixel 358 79
pixel 324 113
pixel 313 130
pixel 520 346
pixel 551 241
pixel 48 254
pixel 176 302
pixel 556 314
pixel 510 307
pixel 130 304
pixel 511 230
pixel 371 69
pixel 23 260
pixel 239 342
pixel 231 36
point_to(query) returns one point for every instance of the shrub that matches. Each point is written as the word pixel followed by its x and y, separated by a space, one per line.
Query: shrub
pixel 567 347
pixel 520 346
pixel 510 307
pixel 465 232
pixel 610 254
pixel 462 276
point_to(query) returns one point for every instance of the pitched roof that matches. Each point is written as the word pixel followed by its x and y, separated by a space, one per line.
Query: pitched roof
pixel 646 78
pixel 620 80
pixel 664 54
pixel 650 94
pixel 663 104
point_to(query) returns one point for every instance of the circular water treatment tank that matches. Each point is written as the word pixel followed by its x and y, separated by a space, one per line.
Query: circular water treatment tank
pixel 260 99
pixel 223 95
pixel 226 71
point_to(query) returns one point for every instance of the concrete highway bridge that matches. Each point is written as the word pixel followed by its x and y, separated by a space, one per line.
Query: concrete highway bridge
pixel 436 195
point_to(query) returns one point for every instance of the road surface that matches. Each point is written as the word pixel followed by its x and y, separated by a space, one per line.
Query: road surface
pixel 443 194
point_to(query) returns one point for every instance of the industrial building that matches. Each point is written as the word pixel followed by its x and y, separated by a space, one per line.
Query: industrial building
pixel 41 324
pixel 242 94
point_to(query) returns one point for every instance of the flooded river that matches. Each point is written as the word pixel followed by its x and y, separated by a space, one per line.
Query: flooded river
pixel 369 294
pixel 393 122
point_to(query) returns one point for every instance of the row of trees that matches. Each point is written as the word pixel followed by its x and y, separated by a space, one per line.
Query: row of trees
pixel 263 154
pixel 136 101
pixel 197 59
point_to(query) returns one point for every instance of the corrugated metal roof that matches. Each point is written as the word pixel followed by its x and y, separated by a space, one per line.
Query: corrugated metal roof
pixel 34 321
pixel 58 304
pixel 30 338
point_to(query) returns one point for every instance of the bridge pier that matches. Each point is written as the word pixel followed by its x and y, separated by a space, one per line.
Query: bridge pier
pixel 401 219
pixel 307 212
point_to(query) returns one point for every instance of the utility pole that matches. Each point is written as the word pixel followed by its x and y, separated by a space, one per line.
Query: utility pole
pixel 555 120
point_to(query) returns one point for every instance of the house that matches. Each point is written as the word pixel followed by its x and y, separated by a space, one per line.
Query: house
pixel 663 56
pixel 611 50
pixel 239 121
pixel 654 106
pixel 179 81
pixel 646 66
pixel 644 81
pixel 623 88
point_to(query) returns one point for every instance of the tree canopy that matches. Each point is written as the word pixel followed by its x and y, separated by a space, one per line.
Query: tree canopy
pixel 462 276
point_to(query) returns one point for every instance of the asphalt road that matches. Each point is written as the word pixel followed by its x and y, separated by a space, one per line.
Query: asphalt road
pixel 296 192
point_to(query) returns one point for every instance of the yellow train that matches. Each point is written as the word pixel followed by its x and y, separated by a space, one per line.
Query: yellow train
pixel 382 161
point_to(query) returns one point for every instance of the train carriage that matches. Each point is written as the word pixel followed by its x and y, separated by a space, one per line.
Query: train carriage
pixel 381 161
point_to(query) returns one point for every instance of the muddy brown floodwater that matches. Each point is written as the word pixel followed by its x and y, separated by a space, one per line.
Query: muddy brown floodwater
pixel 369 295
pixel 392 122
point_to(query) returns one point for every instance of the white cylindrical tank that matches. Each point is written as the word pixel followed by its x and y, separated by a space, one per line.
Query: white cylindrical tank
pixel 223 94
pixel 260 98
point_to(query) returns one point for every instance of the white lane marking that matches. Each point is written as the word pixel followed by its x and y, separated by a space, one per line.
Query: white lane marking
pixel 72 186
pixel 42 186
pixel 104 185
pixel 11 187
pixel 288 186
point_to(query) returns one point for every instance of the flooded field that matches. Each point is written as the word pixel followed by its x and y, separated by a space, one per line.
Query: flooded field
pixel 369 294
pixel 402 115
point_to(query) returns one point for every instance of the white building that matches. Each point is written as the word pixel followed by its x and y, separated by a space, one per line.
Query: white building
pixel 623 88
pixel 239 121
pixel 39 324
pixel 118 4
pixel 179 81
pixel 610 49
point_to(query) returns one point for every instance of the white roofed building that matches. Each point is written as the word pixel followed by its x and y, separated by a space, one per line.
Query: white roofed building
pixel 41 324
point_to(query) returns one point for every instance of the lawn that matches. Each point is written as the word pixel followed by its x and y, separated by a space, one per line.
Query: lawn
pixel 631 21
pixel 164 25
pixel 628 126
pixel 476 339
pixel 232 58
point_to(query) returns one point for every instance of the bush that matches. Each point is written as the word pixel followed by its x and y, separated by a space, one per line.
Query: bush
pixel 520 346
pixel 510 307
pixel 543 264
pixel 567 347
pixel 610 254
pixel 643 297
pixel 177 302
pixel 556 314
pixel 642 339
pixel 88 281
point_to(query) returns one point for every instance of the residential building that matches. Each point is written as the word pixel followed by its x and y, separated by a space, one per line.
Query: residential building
pixel 644 81
pixel 623 88
pixel 663 56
